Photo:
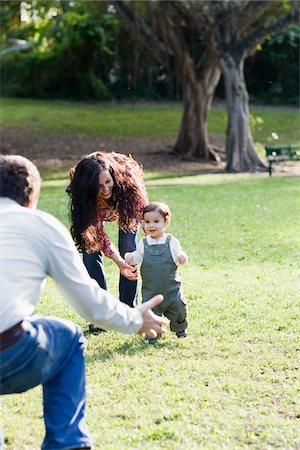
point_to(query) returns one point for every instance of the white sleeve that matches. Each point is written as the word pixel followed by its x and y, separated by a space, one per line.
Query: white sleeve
pixel 80 291
pixel 176 249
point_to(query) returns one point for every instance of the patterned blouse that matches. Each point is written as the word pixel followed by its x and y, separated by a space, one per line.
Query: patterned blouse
pixel 105 214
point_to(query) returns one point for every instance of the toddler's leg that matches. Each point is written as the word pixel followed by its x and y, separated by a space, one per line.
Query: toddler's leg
pixel 150 339
pixel 176 313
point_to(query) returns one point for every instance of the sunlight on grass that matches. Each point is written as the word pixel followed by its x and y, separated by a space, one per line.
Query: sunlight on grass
pixel 206 179
pixel 232 383
pixel 140 120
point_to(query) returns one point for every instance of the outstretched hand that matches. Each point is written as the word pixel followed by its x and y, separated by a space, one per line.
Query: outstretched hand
pixel 129 272
pixel 153 324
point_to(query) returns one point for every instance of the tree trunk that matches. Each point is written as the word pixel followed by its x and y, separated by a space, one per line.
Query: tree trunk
pixel 192 142
pixel 241 154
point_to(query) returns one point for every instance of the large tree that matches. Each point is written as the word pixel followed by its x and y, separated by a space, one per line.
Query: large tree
pixel 198 39
pixel 164 33
pixel 237 27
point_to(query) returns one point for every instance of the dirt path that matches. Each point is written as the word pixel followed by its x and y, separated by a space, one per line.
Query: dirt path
pixel 153 153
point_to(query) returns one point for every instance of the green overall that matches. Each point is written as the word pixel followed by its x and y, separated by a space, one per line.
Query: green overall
pixel 160 276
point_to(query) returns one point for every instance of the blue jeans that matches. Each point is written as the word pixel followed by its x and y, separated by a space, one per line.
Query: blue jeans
pixel 51 354
pixel 95 267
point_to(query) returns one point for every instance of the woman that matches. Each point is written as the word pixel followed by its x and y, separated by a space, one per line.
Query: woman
pixel 107 187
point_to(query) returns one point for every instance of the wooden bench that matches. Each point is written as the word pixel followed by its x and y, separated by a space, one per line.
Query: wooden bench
pixel 277 154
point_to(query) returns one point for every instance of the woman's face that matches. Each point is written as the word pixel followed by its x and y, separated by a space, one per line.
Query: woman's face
pixel 106 184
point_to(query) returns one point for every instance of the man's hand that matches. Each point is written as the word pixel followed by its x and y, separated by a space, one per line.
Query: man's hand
pixel 153 324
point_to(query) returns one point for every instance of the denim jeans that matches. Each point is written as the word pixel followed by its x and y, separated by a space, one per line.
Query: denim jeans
pixel 95 267
pixel 51 354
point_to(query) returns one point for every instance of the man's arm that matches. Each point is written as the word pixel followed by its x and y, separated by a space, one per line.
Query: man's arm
pixel 82 293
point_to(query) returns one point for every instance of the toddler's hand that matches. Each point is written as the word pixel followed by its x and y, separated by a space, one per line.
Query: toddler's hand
pixel 129 259
pixel 182 259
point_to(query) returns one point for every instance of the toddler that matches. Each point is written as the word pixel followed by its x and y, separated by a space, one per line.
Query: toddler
pixel 160 254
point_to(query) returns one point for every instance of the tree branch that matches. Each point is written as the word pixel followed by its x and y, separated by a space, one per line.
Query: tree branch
pixel 251 12
pixel 195 15
pixel 156 47
pixel 261 34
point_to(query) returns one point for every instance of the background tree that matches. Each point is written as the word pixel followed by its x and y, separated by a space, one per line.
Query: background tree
pixel 159 27
pixel 228 32
pixel 177 49
pixel 238 27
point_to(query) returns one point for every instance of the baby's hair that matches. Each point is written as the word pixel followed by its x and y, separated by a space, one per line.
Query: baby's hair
pixel 160 207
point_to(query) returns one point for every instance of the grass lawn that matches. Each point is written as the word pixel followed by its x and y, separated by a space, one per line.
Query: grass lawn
pixel 232 383
pixel 140 120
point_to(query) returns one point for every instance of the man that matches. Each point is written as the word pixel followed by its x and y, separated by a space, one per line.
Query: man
pixel 49 351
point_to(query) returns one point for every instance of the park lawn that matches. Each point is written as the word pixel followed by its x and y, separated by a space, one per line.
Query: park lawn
pixel 232 383
pixel 270 125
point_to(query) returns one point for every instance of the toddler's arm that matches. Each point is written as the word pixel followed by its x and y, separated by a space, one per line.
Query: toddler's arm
pixel 180 257
pixel 135 257
pixel 132 258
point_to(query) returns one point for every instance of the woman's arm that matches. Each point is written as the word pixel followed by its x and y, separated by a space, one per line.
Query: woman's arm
pixel 101 242
pixel 128 271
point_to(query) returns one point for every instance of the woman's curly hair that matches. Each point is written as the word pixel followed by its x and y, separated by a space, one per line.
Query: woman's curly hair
pixel 128 192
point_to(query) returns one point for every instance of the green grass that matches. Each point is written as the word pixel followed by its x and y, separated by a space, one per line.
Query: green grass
pixel 125 120
pixel 232 384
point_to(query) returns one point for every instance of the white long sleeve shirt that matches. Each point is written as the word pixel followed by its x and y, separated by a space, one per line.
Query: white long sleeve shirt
pixel 35 245
pixel 175 248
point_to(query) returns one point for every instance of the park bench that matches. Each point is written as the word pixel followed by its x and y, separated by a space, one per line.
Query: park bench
pixel 277 154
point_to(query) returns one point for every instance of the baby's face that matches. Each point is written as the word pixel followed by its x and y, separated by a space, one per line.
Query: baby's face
pixel 154 224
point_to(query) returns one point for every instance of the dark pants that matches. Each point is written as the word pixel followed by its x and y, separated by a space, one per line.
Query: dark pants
pixel 51 353
pixel 95 267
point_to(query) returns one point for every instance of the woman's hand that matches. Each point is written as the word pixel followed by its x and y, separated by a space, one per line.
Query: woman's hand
pixel 128 271
pixel 153 324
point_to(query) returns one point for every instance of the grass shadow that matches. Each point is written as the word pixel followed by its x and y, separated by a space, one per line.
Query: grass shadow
pixel 128 348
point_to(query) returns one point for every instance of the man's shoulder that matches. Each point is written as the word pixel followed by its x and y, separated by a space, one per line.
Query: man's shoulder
pixel 42 221
pixel 43 215
pixel 49 220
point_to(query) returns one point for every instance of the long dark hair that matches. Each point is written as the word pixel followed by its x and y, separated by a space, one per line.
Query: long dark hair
pixel 128 191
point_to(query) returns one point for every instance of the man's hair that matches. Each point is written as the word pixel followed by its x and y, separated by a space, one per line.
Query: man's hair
pixel 19 179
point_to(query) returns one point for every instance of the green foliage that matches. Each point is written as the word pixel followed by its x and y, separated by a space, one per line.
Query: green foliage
pixel 72 62
pixel 40 75
pixel 232 383
pixel 272 73
pixel 276 69
pixel 91 55
pixel 9 19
